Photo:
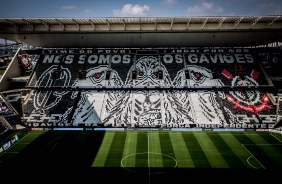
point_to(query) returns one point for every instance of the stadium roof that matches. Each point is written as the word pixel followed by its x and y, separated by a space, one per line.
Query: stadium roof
pixel 224 31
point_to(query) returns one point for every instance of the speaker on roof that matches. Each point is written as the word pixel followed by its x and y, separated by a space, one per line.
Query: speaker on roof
pixel 241 75
pixel 156 74
pixel 134 74
pixel 56 74
pixel 214 75
pixel 108 74
pixel 161 75
pixel 82 74
pixel 187 75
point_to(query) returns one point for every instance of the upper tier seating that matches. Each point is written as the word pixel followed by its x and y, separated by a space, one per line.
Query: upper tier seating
pixel 154 90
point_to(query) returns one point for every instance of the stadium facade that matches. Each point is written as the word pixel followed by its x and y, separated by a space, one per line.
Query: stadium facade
pixel 181 73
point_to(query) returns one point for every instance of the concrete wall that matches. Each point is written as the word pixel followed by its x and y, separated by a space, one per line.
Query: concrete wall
pixel 13 70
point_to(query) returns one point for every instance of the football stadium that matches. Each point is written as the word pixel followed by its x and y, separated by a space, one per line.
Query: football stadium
pixel 143 99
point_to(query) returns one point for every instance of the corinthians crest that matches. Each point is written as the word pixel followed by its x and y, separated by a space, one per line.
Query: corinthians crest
pixel 252 101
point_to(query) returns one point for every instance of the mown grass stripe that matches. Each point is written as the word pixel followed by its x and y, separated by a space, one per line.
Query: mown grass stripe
pixel 89 148
pixel 31 137
pixel 212 153
pixel 264 138
pixel 271 156
pixel 115 154
pixel 58 149
pixel 167 150
pixel 244 139
pixel 180 150
pixel 269 138
pixel 155 151
pixel 268 155
pixel 142 150
pixel 82 137
pixel 236 148
pixel 22 143
pixel 101 157
pixel 129 151
pixel 197 154
pixel 17 147
pixel 277 154
pixel 277 136
pixel 225 150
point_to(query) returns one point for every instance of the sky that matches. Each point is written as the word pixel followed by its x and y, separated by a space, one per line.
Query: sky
pixel 135 8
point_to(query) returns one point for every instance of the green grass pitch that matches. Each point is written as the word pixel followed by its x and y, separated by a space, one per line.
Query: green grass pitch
pixel 148 155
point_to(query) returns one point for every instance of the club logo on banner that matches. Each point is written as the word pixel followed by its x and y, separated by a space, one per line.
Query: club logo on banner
pixel 25 60
pixel 250 100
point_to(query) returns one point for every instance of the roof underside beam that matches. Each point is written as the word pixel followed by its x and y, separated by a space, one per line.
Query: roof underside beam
pixel 255 21
pixel 221 22
pixel 109 25
pixel 131 24
pixel 61 24
pixel 204 23
pixel 29 24
pixel 156 24
pixel 188 22
pixel 45 24
pixel 273 20
pixel 76 24
pixel 237 22
pixel 171 24
pixel 92 23
pixel 13 24
pixel 124 26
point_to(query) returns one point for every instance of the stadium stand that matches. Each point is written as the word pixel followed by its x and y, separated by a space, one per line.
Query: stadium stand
pixel 149 89
pixel 144 73
pixel 193 86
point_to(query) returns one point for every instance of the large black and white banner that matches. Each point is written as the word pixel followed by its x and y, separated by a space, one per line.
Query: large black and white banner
pixel 123 88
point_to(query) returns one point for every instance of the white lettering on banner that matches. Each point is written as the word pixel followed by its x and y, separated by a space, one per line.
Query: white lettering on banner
pixel 48 59
pixel 57 59
pixel 167 58
pixel 249 58
pixel 204 59
pixel 219 58
pixel 91 59
pixel 205 126
pixel 126 59
pixel 108 51
pixel 207 50
pixel 178 58
pixel 85 51
pixel 211 126
pixel 111 51
pixel 81 59
pixel 192 58
pixel 240 58
pixel 69 59
pixel 116 59
pixel 52 59
pixel 213 58
pixel 228 58
pixel 104 59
